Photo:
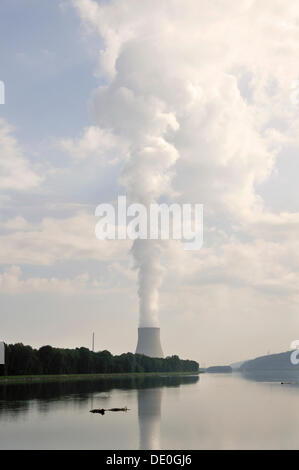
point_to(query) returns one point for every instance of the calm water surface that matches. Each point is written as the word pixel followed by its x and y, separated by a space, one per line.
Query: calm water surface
pixel 215 411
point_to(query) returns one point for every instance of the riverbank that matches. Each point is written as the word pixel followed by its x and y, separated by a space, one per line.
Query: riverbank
pixel 20 379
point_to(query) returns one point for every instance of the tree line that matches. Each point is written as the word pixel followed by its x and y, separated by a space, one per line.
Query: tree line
pixel 25 360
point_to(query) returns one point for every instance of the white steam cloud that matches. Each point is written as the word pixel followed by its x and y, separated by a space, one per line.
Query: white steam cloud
pixel 142 122
pixel 147 260
pixel 197 92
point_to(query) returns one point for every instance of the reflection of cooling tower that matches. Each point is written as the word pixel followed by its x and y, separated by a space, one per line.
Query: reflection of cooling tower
pixel 149 416
pixel 149 342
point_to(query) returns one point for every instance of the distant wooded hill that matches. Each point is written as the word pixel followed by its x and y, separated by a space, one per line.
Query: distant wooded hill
pixel 25 360
pixel 273 367
pixel 280 361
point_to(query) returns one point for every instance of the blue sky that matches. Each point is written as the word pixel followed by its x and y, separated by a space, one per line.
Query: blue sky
pixel 47 69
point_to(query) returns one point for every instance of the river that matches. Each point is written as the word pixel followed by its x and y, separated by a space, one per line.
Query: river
pixel 212 411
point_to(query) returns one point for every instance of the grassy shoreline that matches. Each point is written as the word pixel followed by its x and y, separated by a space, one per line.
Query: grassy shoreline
pixel 23 379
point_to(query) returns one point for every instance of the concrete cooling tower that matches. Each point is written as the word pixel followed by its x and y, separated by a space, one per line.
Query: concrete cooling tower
pixel 149 342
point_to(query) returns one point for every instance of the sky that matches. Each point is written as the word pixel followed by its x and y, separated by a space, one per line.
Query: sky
pixel 209 89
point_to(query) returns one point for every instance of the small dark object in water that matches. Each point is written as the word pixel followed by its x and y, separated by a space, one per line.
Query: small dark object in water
pixel 99 410
pixel 102 410
pixel 283 383
pixel 118 409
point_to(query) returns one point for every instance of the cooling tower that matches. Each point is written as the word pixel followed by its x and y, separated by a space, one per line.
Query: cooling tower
pixel 149 342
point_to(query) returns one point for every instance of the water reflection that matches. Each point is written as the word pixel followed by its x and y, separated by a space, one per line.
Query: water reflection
pixel 149 416
pixel 46 394
pixel 219 411
pixel 63 401
pixel 274 375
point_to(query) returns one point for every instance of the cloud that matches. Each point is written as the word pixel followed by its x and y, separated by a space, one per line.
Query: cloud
pixel 93 143
pixel 52 240
pixel 12 282
pixel 200 93
pixel 16 173
pixel 268 267
pixel 185 64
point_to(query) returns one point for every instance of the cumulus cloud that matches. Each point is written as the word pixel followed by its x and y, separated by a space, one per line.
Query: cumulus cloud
pixel 93 143
pixel 201 94
pixel 52 240
pixel 267 266
pixel 12 282
pixel 16 173
pixel 181 66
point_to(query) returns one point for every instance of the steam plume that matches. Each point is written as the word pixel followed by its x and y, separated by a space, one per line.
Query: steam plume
pixel 191 79
pixel 141 122
pixel 147 260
